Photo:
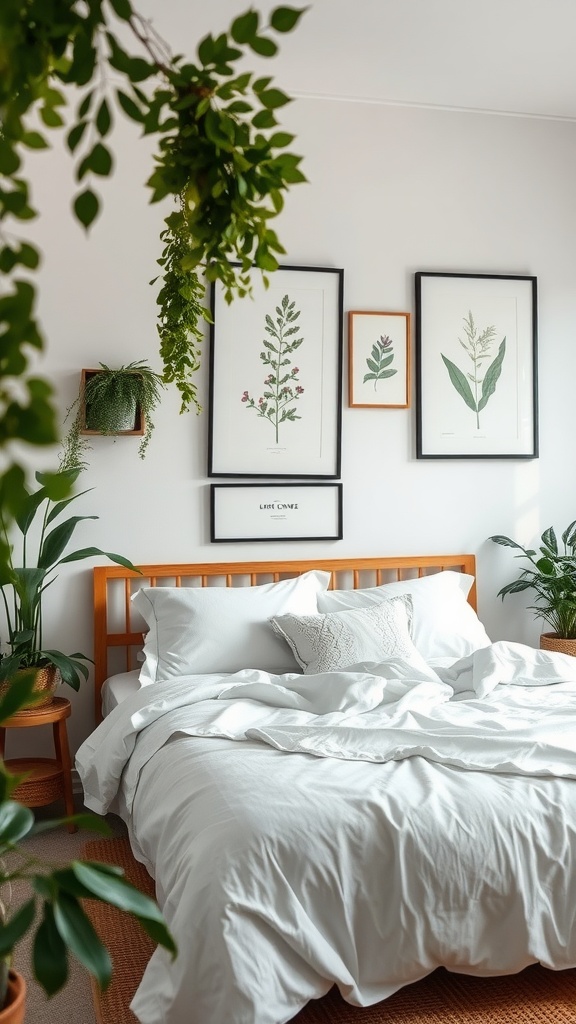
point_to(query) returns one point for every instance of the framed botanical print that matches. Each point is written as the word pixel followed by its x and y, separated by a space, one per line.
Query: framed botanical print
pixel 276 377
pixel 476 366
pixel 379 360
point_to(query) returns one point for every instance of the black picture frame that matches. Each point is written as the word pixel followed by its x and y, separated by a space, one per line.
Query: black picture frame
pixel 275 512
pixel 289 336
pixel 476 366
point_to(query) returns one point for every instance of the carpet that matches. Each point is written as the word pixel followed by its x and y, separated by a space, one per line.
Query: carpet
pixel 535 996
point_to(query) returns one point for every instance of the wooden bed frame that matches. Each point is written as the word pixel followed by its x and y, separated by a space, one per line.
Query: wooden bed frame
pixel 118 631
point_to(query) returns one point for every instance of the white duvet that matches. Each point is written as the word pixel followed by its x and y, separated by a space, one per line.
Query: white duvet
pixel 358 828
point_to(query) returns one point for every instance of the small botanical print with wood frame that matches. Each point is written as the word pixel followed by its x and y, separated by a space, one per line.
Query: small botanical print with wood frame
pixel 476 367
pixel 276 376
pixel 378 360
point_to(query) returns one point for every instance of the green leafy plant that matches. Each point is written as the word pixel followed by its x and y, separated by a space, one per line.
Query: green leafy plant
pixel 552 576
pixel 24 581
pixel 220 155
pixel 107 398
pixel 54 911
pixel 282 387
pixel 381 356
pixel 477 347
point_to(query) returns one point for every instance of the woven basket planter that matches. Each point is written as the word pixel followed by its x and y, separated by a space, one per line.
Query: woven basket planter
pixel 553 642
pixel 46 682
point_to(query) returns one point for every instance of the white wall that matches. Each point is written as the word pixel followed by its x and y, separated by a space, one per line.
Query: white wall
pixel 391 190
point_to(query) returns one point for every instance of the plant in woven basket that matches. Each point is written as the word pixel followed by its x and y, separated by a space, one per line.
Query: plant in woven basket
pixel 110 401
pixel 24 578
pixel 552 576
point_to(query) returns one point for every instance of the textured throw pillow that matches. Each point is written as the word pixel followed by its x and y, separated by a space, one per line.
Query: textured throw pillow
pixel 443 626
pixel 326 643
pixel 193 630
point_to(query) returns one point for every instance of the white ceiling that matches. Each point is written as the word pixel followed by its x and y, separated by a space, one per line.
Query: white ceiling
pixel 511 56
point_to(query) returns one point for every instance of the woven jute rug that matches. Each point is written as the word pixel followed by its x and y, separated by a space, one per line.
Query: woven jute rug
pixel 535 996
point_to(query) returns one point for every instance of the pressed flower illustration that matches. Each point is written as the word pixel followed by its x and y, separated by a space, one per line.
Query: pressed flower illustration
pixel 282 388
pixel 478 386
pixel 379 360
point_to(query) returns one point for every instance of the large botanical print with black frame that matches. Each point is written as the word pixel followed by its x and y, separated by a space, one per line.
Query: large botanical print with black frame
pixel 276 377
pixel 476 366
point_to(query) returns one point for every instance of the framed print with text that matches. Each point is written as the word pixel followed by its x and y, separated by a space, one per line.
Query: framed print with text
pixel 378 360
pixel 275 512
pixel 276 376
pixel 476 366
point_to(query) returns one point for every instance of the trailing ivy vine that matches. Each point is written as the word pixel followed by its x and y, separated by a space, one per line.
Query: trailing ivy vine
pixel 219 154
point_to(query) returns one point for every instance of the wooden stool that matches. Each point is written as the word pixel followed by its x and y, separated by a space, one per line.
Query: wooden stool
pixel 48 778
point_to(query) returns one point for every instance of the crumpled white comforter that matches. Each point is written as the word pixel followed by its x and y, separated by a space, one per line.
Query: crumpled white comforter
pixel 421 819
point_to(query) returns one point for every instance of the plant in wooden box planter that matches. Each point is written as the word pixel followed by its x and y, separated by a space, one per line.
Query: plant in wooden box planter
pixel 552 576
pixel 112 401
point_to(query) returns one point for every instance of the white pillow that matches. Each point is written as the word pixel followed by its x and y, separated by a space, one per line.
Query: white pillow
pixel 444 625
pixel 193 630
pixel 337 640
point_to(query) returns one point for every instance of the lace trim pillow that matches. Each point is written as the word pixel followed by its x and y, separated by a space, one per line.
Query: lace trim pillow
pixel 337 640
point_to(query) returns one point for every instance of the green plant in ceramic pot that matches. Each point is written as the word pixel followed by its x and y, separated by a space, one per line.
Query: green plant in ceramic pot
pixel 551 574
pixel 112 400
pixel 25 578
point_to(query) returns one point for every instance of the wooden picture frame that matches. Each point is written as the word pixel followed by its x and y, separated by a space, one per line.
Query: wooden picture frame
pixel 378 360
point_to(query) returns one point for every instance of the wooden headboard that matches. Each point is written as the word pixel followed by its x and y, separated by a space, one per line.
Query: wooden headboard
pixel 118 632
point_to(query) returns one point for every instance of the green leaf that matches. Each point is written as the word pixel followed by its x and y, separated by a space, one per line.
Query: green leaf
pixel 100 160
pixel 75 134
pixel 78 934
pixel 34 140
pixel 15 822
pixel 460 383
pixel 122 9
pixel 51 117
pixel 263 46
pixel 13 930
pixel 129 106
pixel 9 159
pixel 284 19
pixel 549 539
pixel 86 207
pixel 103 118
pixel 244 28
pixel 272 98
pixel 76 556
pixel 49 955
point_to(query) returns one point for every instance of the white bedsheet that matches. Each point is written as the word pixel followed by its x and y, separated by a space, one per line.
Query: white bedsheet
pixel 431 827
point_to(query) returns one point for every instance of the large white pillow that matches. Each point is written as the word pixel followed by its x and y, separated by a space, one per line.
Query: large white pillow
pixel 444 625
pixel 192 630
pixel 337 640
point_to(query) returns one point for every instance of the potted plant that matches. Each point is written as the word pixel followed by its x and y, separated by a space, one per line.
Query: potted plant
pixel 63 926
pixel 112 401
pixel 24 580
pixel 552 576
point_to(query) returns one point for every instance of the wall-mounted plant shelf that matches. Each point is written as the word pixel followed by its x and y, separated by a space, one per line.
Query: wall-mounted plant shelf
pixel 137 420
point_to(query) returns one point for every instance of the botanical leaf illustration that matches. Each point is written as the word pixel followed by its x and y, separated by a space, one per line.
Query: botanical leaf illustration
pixel 460 382
pixel 281 387
pixel 492 374
pixel 379 360
pixel 475 389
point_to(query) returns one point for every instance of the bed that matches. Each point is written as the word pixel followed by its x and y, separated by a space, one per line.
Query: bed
pixel 334 777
